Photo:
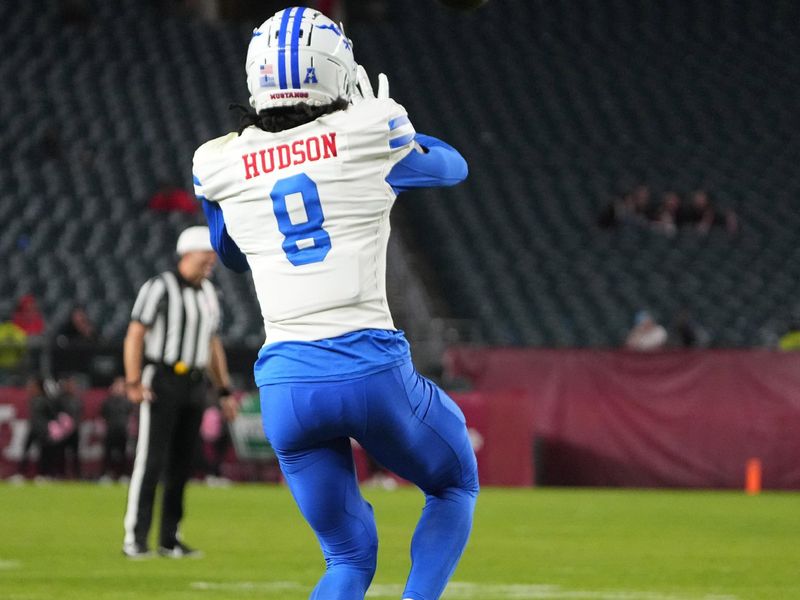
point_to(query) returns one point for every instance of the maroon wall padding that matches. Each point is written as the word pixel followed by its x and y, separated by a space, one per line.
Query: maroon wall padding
pixel 503 445
pixel 582 417
pixel 616 418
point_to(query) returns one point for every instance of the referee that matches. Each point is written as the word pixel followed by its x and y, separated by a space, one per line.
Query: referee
pixel 171 345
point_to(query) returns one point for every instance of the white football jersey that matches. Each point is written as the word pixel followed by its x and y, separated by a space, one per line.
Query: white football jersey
pixel 309 208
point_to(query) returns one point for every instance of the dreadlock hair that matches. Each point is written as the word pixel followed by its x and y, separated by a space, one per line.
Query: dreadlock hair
pixel 285 117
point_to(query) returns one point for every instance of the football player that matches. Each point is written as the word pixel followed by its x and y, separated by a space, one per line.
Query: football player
pixel 301 195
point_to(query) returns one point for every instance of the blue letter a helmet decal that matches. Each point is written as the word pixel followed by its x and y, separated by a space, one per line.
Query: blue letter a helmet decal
pixel 311 75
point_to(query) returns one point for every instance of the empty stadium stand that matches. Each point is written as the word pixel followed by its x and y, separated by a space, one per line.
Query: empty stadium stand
pixel 558 106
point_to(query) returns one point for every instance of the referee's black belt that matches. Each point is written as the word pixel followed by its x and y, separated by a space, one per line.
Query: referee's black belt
pixel 181 369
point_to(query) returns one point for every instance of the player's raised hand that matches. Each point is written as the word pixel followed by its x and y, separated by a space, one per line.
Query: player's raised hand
pixel 383 86
pixel 364 89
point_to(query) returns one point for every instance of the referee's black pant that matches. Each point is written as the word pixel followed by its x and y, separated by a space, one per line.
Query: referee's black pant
pixel 168 435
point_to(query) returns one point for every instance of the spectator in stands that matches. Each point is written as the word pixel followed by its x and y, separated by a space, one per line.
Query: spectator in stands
pixel 47 428
pixel 642 206
pixel 726 218
pixel 116 412
pixel 686 332
pixel 700 213
pixel 70 403
pixel 670 216
pixel 12 345
pixel 703 215
pixel 667 219
pixel 790 341
pixel 172 198
pixel 35 436
pixel 634 208
pixel 78 329
pixel 216 440
pixel 27 316
pixel 646 334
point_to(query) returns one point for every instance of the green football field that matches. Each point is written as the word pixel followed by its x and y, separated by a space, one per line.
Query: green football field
pixel 62 541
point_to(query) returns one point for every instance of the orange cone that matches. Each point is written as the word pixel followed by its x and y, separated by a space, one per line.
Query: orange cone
pixel 752 477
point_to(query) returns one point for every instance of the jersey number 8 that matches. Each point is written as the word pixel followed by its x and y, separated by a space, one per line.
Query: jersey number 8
pixel 304 242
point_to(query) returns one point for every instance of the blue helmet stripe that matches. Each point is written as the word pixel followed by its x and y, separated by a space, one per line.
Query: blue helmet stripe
pixel 282 48
pixel 295 56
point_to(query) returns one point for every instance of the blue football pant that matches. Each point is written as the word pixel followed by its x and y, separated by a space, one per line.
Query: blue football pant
pixel 410 426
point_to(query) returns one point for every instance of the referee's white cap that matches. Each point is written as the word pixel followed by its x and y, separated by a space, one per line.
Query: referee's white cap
pixel 194 239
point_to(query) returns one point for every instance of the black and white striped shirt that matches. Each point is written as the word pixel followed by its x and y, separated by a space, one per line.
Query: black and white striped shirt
pixel 181 319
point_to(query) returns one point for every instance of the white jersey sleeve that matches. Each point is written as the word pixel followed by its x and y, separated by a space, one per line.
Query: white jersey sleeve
pixel 309 207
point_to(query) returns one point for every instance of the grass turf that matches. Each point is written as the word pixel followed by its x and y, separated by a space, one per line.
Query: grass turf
pixel 63 541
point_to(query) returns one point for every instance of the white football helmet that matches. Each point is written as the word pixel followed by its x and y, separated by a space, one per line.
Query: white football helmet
pixel 299 55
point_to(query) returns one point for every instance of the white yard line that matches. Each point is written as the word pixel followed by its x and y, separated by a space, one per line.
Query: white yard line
pixel 459 590
pixel 247 586
pixel 8 565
